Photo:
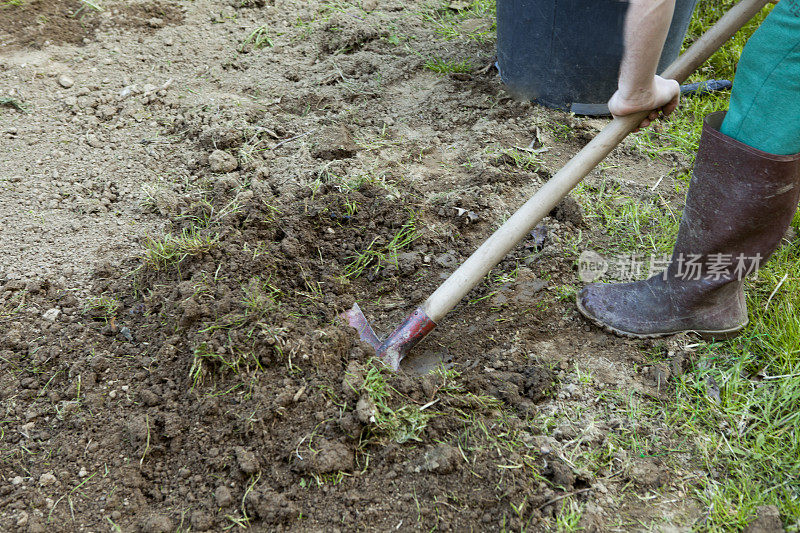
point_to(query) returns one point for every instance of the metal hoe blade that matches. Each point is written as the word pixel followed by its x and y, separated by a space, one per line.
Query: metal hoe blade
pixel 396 346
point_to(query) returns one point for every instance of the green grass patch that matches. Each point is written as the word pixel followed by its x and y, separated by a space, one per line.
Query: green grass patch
pixel 645 225
pixel 751 437
pixel 171 250
pixel 206 360
pixel 447 66
pixel 449 17
pixel 260 297
pixel 102 307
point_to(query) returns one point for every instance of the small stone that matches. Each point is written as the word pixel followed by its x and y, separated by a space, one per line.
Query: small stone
pixel 126 333
pixel 22 519
pixel 93 141
pixel 222 162
pixel 83 472
pixel 47 479
pixel 17 480
pixel 51 314
pixel 447 260
pixel 369 5
pixel 65 81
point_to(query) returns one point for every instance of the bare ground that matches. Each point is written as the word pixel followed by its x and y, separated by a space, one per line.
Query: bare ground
pixel 213 388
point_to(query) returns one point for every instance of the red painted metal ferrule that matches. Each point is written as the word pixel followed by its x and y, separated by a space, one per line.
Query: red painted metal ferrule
pixel 396 346
pixel 406 336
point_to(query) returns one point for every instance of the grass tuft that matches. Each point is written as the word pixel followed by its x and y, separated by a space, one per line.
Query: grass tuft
pixel 174 249
pixel 400 424
pixel 102 307
pixel 259 38
pixel 447 66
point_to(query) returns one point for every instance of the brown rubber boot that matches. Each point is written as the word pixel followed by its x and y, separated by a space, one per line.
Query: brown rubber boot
pixel 740 203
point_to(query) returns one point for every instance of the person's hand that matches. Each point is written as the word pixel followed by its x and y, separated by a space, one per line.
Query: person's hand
pixel 661 98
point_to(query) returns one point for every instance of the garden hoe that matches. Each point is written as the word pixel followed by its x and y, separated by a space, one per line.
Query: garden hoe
pixel 494 249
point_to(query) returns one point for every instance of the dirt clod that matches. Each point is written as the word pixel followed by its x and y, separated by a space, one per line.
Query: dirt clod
pixel 272 507
pixel 539 382
pixel 562 475
pixel 334 142
pixel 768 520
pixel 346 33
pixel 223 496
pixel 327 456
pixel 568 210
pixel 647 474
pixel 365 410
pixel 156 523
pixel 246 460
pixel 222 162
pixel 443 459
pixel 202 521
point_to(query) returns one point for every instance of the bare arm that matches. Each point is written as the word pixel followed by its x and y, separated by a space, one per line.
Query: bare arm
pixel 646 26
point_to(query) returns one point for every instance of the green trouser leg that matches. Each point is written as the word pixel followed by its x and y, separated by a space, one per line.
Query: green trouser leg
pixel 765 102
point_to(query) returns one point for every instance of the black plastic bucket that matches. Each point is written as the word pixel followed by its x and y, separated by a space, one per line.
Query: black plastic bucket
pixel 566 53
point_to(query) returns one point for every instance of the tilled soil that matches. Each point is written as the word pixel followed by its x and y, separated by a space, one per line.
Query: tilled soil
pixel 194 191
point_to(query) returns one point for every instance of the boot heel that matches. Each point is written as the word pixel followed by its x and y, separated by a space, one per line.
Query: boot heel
pixel 722 335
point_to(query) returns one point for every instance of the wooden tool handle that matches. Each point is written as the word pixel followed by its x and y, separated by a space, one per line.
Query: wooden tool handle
pixel 496 247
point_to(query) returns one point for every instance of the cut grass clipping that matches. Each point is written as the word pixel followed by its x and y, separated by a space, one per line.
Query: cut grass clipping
pixel 12 103
pixel 259 38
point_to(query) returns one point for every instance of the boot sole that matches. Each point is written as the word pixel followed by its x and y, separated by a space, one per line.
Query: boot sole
pixel 719 335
